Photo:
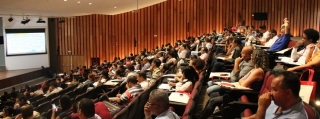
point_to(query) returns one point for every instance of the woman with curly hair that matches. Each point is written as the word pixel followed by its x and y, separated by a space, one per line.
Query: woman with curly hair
pixel 254 80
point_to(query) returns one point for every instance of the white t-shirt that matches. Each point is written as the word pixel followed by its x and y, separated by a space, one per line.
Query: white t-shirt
pixel 209 45
pixel 145 84
pixel 203 56
pixel 271 41
pixel 183 54
pixel 300 56
pixel 265 35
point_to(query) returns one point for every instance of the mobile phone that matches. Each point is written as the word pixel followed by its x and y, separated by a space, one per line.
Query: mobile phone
pixel 55 107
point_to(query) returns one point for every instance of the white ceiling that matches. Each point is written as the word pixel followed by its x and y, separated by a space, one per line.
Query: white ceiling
pixel 61 8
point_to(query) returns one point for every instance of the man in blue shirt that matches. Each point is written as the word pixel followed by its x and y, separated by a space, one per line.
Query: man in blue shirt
pixel 284 38
pixel 283 102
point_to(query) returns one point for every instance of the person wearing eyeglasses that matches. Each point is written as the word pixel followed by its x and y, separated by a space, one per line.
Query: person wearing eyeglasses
pixel 158 104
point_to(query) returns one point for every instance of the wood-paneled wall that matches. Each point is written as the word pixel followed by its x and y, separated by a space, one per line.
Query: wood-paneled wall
pixel 107 36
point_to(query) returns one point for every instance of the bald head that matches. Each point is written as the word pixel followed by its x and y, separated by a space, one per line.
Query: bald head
pixel 246 52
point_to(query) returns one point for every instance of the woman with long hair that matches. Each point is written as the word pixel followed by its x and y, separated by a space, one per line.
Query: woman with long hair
pixel 253 79
pixel 186 86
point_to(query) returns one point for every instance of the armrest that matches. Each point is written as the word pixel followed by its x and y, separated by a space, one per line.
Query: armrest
pixel 233 95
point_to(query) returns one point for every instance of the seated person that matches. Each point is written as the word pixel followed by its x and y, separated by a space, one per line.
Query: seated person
pixel 102 79
pixel 40 91
pixel 241 67
pixel 58 81
pixel 204 53
pixel 191 75
pixel 283 102
pixel 171 58
pixel 74 82
pixel 134 89
pixel 254 79
pixel 122 70
pixel 197 64
pixel 271 39
pixel 90 80
pixel 7 112
pixel 142 79
pixel 129 73
pixel 28 113
pixel 159 56
pixel 53 88
pixel 310 37
pixel 233 53
pixel 64 109
pixel 155 70
pixel 183 51
pixel 86 109
pixel 146 64
pixel 113 69
pixel 128 61
pixel 158 104
pixel 284 38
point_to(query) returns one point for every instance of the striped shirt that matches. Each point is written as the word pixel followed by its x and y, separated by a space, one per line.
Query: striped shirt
pixel 130 94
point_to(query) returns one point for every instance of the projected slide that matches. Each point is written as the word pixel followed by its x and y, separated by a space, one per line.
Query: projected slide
pixel 25 42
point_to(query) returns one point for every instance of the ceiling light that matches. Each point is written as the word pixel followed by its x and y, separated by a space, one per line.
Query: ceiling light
pixel 115 7
pixel 10 19
pixel 90 3
pixel 41 21
pixel 318 103
pixel 78 2
pixel 25 21
pixel 65 0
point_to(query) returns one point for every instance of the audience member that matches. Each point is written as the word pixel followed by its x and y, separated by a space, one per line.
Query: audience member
pixel 310 37
pixel 7 112
pixel 65 109
pixel 242 65
pixel 53 88
pixel 271 39
pixel 158 104
pixel 156 72
pixel 146 64
pixel 283 102
pixel 133 90
pixel 253 79
pixel 86 109
pixel 185 86
pixel 183 51
pixel 171 58
pixel 58 81
pixel 142 79
pixel 88 81
pixel 40 90
pixel 102 79
pixel 265 33
pixel 284 38
pixel 204 53
pixel 197 64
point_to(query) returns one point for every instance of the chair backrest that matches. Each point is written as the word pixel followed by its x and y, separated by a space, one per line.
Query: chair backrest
pixel 40 101
pixel 43 107
pixel 291 43
pixel 79 97
pixel 311 112
pixel 55 100
pixel 266 86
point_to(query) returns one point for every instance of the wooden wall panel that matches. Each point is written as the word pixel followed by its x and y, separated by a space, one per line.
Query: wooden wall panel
pixel 109 36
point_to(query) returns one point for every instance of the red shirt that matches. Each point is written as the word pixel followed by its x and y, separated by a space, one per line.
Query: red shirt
pixel 100 109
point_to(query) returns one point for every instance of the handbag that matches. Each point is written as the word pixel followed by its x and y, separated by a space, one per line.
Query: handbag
pixel 309 83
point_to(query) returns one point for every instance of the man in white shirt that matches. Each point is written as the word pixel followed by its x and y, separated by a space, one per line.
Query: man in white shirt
pixel 86 109
pixel 309 38
pixel 265 33
pixel 146 64
pixel 182 52
pixel 272 38
pixel 142 79
pixel 53 89
pixel 158 104
pixel 130 72
pixel 159 56
pixel 204 53
pixel 207 43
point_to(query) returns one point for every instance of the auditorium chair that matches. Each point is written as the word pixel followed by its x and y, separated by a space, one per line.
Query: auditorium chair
pixel 43 107
pixel 34 99
pixel 248 107
pixel 55 100
pixel 79 97
pixel 40 101
pixel 125 112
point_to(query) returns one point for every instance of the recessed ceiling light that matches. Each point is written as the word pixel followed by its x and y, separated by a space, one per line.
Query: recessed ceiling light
pixel 78 2
pixel 65 0
pixel 90 3
pixel 115 7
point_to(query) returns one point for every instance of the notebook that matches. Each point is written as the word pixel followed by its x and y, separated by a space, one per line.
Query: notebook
pixel 179 97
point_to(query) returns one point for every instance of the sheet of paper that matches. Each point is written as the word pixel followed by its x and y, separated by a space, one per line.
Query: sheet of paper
pixel 305 93
pixel 283 51
pixel 179 97
pixel 220 74
pixel 111 83
pixel 222 58
pixel 173 75
pixel 164 86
